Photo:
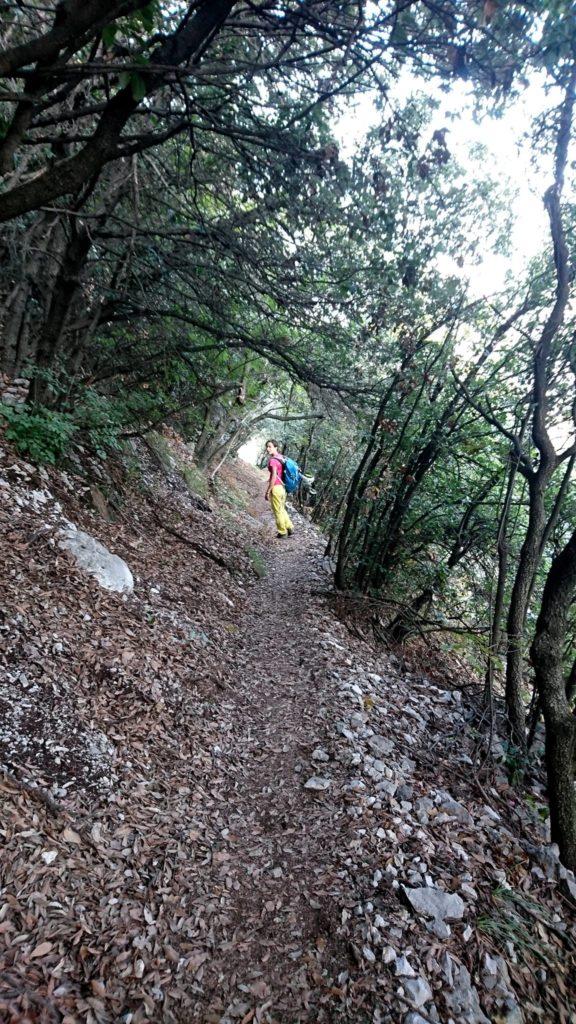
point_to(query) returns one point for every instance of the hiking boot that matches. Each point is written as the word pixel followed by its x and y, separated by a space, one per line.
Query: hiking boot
pixel 290 531
pixel 281 534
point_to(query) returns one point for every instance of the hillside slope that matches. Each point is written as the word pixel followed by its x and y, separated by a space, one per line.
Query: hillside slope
pixel 219 806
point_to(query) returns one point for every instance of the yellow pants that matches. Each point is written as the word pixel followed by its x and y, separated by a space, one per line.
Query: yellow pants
pixel 278 502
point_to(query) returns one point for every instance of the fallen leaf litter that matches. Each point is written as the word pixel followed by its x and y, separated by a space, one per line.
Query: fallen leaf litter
pixel 219 806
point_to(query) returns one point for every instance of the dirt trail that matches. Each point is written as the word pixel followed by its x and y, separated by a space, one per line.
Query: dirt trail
pixel 285 843
pixel 314 929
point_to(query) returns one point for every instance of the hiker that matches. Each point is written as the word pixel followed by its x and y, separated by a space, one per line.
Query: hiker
pixel 275 491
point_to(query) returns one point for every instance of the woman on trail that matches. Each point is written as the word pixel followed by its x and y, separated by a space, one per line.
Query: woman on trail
pixel 275 491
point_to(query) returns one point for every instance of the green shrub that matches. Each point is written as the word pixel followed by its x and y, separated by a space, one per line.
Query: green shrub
pixel 40 434
pixel 100 420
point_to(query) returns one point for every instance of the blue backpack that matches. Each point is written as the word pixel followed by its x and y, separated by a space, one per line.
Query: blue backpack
pixel 292 476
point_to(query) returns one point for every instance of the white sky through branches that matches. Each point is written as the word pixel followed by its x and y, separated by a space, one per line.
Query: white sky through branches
pixel 508 157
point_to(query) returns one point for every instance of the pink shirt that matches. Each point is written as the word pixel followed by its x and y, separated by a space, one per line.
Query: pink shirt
pixel 275 464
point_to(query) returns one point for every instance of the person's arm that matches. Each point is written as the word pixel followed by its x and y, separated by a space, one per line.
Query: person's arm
pixel 271 482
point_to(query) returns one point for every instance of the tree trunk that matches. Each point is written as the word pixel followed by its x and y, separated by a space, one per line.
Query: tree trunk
pixel 571 684
pixel 518 610
pixel 65 288
pixel 406 621
pixel 539 478
pixel 354 497
pixel 498 610
pixel 19 338
pixel 551 628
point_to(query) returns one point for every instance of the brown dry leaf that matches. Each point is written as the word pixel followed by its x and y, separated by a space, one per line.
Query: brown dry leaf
pixel 260 989
pixel 71 836
pixel 41 950
pixel 195 960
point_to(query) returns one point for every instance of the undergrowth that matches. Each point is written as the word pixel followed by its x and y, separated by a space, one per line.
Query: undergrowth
pixel 39 434
pixel 258 563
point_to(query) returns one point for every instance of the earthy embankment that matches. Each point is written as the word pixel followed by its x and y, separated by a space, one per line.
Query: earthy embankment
pixel 220 806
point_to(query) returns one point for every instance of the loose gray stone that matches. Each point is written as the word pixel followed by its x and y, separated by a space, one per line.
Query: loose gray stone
pixel 422 808
pixel 424 803
pixel 511 1013
pixel 344 731
pixel 432 902
pixel 320 755
pixel 439 928
pixel 109 570
pixel 418 992
pixel 356 786
pixel 445 698
pixel 386 786
pixel 495 977
pixel 380 746
pixel 403 969
pixel 568 886
pixel 456 810
pixel 405 792
pixel 469 890
pixel 462 999
pixel 546 856
pixel 318 784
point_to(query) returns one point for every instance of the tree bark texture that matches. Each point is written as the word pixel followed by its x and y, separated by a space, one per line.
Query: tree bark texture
pixel 503 550
pixel 547 656
pixel 539 478
pixel 529 561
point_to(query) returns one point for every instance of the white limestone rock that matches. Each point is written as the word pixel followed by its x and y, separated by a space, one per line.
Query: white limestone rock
pixel 435 903
pixel 317 784
pixel 108 569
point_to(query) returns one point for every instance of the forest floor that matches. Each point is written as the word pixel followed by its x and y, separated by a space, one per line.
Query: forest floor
pixel 220 805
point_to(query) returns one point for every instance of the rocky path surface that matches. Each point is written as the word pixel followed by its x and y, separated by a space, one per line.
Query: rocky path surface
pixel 348 877
pixel 219 806
pixel 282 843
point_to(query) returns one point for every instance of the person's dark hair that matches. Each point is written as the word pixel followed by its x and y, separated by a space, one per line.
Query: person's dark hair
pixel 272 441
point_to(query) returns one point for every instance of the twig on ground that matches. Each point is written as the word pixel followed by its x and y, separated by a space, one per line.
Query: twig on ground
pixel 194 545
